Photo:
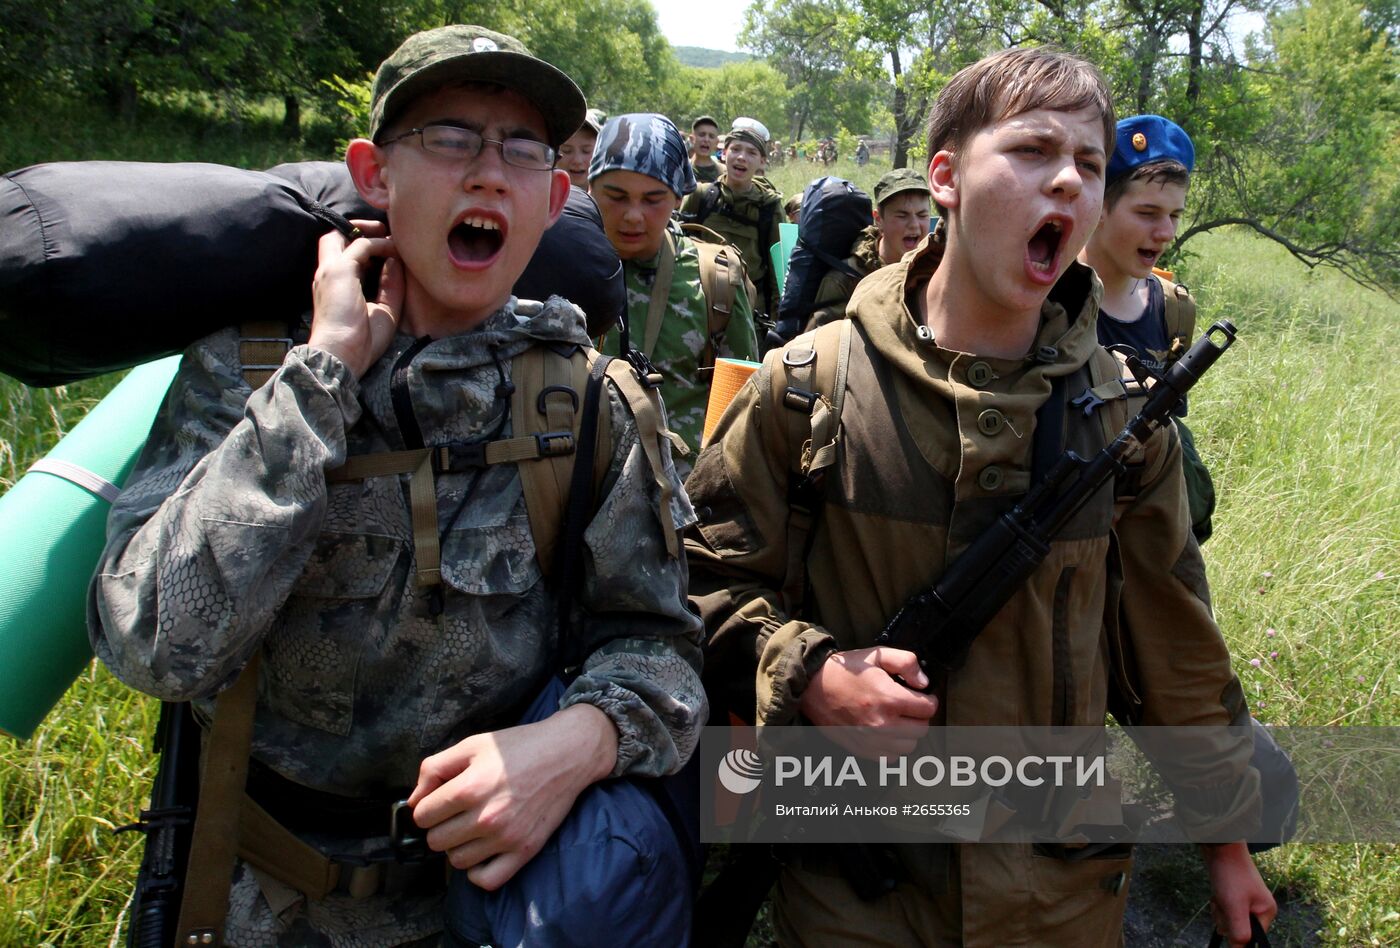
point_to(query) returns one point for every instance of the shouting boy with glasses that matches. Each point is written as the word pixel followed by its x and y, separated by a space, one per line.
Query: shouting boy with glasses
pixel 454 679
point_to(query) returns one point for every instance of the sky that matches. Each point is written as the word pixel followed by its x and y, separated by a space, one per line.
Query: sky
pixel 712 24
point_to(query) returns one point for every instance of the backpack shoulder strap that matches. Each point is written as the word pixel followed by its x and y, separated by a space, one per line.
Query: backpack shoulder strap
pixel 1179 315
pixel 645 403
pixel 813 380
pixel 708 201
pixel 1110 381
pixel 547 400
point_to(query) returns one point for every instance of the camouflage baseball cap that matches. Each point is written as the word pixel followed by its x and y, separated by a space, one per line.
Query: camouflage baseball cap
pixel 461 53
pixel 897 182
pixel 648 144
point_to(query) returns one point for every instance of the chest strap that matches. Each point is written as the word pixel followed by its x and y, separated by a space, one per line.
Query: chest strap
pixel 424 463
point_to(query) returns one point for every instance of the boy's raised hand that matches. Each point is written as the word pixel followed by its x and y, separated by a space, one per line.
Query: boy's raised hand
pixel 343 322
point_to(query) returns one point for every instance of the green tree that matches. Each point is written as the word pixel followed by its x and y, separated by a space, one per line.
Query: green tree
pixel 1305 148
pixel 804 40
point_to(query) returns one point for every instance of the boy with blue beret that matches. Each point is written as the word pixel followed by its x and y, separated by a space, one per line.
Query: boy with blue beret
pixel 1144 198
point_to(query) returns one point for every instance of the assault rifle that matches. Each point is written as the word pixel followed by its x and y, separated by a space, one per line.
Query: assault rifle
pixel 168 825
pixel 939 624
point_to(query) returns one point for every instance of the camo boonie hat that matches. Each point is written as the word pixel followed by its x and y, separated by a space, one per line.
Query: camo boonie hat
pixel 648 144
pixel 459 53
pixel 897 182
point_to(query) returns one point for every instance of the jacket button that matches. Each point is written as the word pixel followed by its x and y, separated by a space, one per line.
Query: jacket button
pixel 979 374
pixel 990 421
pixel 990 478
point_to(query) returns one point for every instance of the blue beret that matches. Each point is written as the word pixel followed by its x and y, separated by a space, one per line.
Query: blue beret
pixel 1145 138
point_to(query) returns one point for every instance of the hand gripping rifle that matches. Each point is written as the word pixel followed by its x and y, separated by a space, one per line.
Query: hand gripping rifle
pixel 940 623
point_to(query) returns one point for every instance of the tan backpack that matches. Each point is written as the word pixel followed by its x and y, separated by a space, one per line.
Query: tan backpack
pixel 722 277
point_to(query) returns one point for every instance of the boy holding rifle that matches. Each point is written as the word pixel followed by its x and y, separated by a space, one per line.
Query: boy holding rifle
pixel 956 357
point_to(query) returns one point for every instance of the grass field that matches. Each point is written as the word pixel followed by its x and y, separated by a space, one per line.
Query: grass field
pixel 1300 425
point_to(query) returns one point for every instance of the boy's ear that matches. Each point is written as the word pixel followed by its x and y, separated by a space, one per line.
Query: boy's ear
pixel 366 161
pixel 942 181
pixel 558 193
pixel 876 213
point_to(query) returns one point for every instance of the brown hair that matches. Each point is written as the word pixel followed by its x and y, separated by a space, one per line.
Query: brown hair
pixel 1161 171
pixel 1014 81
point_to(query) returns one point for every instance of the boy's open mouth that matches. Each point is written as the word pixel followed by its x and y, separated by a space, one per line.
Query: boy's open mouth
pixel 1043 249
pixel 476 239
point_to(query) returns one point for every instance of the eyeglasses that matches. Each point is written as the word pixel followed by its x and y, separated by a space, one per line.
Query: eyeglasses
pixel 463 144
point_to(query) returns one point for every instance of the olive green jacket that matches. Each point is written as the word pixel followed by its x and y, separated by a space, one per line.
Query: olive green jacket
pixel 1119 606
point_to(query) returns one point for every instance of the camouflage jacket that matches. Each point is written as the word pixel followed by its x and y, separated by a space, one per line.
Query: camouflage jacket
pixel 680 342
pixel 740 226
pixel 835 290
pixel 227 539
pixel 708 173
pixel 934 445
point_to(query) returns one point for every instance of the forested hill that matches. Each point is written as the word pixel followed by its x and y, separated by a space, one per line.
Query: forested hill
pixel 703 58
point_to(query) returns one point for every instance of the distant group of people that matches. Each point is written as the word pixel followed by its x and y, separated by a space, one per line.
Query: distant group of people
pixel 475 565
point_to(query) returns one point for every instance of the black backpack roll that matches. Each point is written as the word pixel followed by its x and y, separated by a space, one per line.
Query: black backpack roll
pixel 108 264
pixel 834 212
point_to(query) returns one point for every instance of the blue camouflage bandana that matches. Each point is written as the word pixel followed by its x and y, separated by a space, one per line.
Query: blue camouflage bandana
pixel 648 144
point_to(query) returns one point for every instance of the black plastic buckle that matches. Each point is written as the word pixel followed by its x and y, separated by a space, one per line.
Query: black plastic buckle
pixel 402 827
pixel 799 399
pixel 643 369
pixel 448 458
pixel 1087 400
pixel 553 444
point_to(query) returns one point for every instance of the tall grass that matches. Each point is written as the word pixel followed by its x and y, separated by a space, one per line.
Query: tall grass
pixel 1299 424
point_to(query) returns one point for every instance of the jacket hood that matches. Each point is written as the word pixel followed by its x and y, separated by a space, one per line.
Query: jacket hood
pixel 1068 318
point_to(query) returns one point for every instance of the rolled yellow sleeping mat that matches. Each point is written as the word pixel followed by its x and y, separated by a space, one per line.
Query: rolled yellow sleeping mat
pixel 53 525
pixel 730 376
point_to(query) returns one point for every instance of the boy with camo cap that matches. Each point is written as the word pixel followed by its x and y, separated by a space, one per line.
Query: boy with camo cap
pixel 638 177
pixel 377 676
pixel 902 218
